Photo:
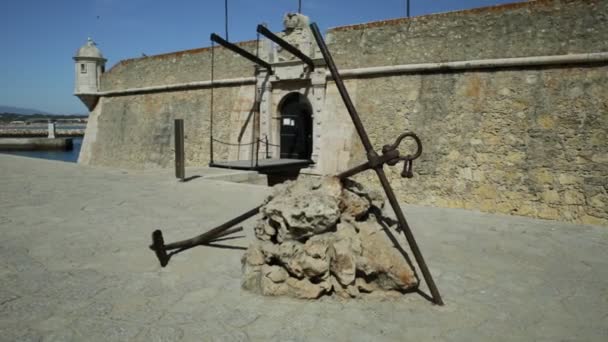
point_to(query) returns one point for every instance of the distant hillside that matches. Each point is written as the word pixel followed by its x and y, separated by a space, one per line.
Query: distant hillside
pixel 19 110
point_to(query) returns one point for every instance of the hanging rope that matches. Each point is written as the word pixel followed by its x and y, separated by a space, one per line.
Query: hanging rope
pixel 211 104
pixel 256 140
pixel 257 45
pixel 226 18
pixel 256 114
pixel 233 144
pixel 264 141
pixel 257 99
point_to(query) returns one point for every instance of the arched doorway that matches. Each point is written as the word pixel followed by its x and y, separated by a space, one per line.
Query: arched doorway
pixel 296 126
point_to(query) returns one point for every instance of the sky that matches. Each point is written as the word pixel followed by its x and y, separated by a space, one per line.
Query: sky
pixel 38 38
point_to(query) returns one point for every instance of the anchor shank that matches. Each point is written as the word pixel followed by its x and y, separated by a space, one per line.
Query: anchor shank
pixel 376 163
pixel 342 89
pixel 428 278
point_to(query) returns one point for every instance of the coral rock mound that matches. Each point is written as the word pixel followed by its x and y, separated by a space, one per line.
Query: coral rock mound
pixel 322 236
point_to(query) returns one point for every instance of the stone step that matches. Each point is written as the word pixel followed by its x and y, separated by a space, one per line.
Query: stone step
pixel 238 176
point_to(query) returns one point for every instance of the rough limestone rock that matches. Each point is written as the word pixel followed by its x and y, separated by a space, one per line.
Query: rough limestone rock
pixel 298 213
pixel 322 236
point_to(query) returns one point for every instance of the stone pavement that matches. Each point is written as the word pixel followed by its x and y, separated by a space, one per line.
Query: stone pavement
pixel 75 266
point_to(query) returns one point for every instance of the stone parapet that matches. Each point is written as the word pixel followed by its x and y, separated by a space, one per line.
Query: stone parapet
pixel 178 67
pixel 534 28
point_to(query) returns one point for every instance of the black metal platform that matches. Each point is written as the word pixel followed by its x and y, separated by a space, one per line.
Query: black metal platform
pixel 265 165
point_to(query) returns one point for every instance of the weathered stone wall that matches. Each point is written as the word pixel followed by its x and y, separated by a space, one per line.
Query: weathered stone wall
pixel 527 142
pixel 524 141
pixel 535 28
pixel 137 132
pixel 178 67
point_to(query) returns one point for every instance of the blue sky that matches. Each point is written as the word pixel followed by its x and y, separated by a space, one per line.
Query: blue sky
pixel 39 37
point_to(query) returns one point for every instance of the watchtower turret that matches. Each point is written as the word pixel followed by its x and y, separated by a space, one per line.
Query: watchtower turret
pixel 89 65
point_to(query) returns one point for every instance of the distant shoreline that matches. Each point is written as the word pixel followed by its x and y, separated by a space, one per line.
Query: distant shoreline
pixel 5 116
pixel 39 131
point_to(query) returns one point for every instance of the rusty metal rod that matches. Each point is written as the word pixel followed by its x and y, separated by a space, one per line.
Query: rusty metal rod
pixel 285 45
pixel 206 236
pixel 235 48
pixel 428 277
pixel 342 89
pixel 372 157
pixel 357 169
pixel 160 248
pixel 227 232
pixel 388 156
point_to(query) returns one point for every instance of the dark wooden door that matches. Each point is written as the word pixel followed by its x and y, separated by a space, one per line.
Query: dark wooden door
pixel 296 128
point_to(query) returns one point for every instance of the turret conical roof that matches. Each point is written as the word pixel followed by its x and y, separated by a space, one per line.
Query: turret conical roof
pixel 89 50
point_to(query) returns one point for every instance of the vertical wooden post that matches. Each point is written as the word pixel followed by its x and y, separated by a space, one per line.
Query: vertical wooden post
pixel 180 167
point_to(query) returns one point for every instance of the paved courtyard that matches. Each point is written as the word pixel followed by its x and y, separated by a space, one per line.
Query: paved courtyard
pixel 75 266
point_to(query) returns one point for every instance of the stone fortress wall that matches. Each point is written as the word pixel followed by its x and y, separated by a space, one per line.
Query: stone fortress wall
pixel 136 130
pixel 528 141
pixel 524 140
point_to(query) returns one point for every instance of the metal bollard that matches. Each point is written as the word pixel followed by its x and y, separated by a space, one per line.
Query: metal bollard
pixel 180 166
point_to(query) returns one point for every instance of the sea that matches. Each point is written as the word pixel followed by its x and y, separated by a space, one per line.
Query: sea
pixel 65 156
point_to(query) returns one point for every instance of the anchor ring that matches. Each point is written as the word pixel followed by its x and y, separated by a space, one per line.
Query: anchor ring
pixel 409 157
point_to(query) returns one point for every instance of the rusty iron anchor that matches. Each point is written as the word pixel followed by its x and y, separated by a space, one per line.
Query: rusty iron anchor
pixel 390 156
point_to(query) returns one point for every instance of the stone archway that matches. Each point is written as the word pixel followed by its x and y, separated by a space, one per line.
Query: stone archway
pixel 295 126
